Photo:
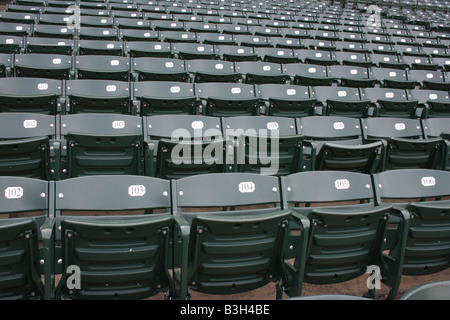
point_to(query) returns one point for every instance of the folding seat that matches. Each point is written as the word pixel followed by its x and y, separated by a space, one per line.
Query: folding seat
pixel 23 8
pixel 21 255
pixel 98 96
pixel 49 45
pixel 220 20
pixel 191 51
pixel 336 143
pixel 420 63
pixel 308 74
pixel 265 31
pixel 144 48
pixel 296 33
pixel 261 234
pixel 357 59
pixel 317 44
pixel 5 65
pixel 158 16
pixel 50 66
pixel 64 19
pixel 252 41
pixel 18 17
pixel 264 145
pixel 138 245
pixel 342 101
pixel 436 52
pixel 201 27
pixel 393 78
pixel 394 103
pixel 95 47
pixel 420 194
pixel 442 62
pixel 438 290
pixel 352 46
pixel 409 50
pixel 206 70
pixel 126 14
pixel 216 39
pixel 276 55
pixel 236 53
pixel 356 37
pixel 434 102
pixel 227 99
pixel 98 144
pixel 92 11
pixel 439 127
pixel 54 31
pixel 327 35
pixel 132 23
pixel 96 21
pixel 102 67
pixel 138 35
pixel 123 7
pixel 31 95
pixel 286 43
pixel 429 79
pixel 320 57
pixel 347 228
pixel 159 69
pixel 381 48
pixel 28 146
pixel 352 76
pixel 379 38
pixel 167 25
pixel 259 72
pixel 96 33
pixel 178 36
pixel 183 145
pixel 286 100
pixel 11 44
pixel 403 141
pixel 388 61
pixel 165 97
pixel 15 29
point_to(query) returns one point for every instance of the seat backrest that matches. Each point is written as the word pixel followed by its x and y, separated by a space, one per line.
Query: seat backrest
pixel 165 97
pixel 160 69
pixel 343 215
pixel 146 237
pixel 246 246
pixel 424 194
pixel 439 290
pixel 102 67
pixel 212 71
pixel 19 237
pixel 342 101
pixel 101 144
pixel 98 96
pixel 392 102
pixel 36 95
pixel 43 66
pixel 27 149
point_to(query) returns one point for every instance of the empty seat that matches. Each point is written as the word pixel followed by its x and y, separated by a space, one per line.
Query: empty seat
pixel 48 66
pixel 148 49
pixel 420 194
pixel 190 51
pixel 390 102
pixel 159 69
pixel 393 78
pixel 138 35
pixel 285 100
pixel 15 29
pixel 49 45
pixel 276 55
pixel 28 146
pixel 342 101
pixel 236 53
pixel 439 127
pixel 98 96
pixel 54 31
pixel 227 99
pixel 435 103
pixel 308 74
pixel 130 237
pixel 352 76
pixel 97 33
pixel 203 70
pixel 99 144
pixel 32 95
pixel 184 145
pixel 336 143
pixel 346 227
pixel 165 97
pixel 266 145
pixel 102 67
pixel 95 47
pixel 242 242
pixel 21 276
pixel 316 56
pixel 404 143
pixel 438 290
pixel 261 72
pixel 5 64
pixel 429 79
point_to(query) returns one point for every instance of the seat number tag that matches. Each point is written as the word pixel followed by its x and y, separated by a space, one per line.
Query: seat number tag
pixel 428 181
pixel 136 190
pixel 246 187
pixel 342 184
pixel 13 192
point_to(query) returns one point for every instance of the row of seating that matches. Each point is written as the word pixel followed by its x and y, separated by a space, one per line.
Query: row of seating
pixel 220 233
pixel 173 146
pixel 223 99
